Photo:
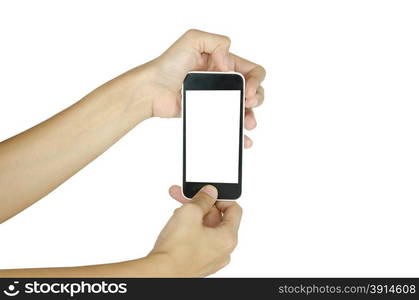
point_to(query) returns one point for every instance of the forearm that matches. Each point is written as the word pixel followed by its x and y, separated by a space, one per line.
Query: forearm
pixel 36 161
pixel 150 266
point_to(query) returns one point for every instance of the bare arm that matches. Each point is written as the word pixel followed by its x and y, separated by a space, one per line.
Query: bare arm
pixel 38 160
pixel 151 266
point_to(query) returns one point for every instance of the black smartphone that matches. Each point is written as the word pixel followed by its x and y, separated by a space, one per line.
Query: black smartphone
pixel 213 112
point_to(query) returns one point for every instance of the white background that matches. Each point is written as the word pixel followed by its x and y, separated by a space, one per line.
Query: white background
pixel 213 135
pixel 331 186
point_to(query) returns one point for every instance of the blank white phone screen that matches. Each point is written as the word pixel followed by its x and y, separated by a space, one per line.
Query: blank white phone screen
pixel 212 135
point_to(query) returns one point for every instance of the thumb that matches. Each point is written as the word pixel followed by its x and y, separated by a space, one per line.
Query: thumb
pixel 205 198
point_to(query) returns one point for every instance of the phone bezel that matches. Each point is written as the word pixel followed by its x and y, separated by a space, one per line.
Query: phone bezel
pixel 214 81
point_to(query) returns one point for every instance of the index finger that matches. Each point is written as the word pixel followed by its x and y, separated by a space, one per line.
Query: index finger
pixel 253 73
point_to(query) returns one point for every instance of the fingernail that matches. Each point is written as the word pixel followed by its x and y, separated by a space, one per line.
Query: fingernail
pixel 210 190
pixel 249 143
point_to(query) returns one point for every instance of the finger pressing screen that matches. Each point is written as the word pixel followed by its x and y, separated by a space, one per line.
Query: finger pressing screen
pixel 205 198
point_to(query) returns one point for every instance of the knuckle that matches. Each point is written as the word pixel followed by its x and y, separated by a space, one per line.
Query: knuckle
pixel 226 39
pixel 178 211
pixel 191 32
pixel 224 262
pixel 262 70
pixel 239 209
pixel 230 243
pixel 227 261
pixel 234 241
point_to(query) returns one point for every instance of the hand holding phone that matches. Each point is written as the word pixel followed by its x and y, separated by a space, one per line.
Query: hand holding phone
pixel 198 50
pixel 190 229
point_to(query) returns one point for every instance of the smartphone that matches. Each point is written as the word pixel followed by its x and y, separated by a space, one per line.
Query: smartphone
pixel 213 112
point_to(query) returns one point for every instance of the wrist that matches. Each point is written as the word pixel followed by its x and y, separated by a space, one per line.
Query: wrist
pixel 163 88
pixel 135 88
pixel 160 265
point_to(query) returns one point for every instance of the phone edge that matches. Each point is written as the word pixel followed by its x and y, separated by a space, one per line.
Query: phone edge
pixel 242 121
